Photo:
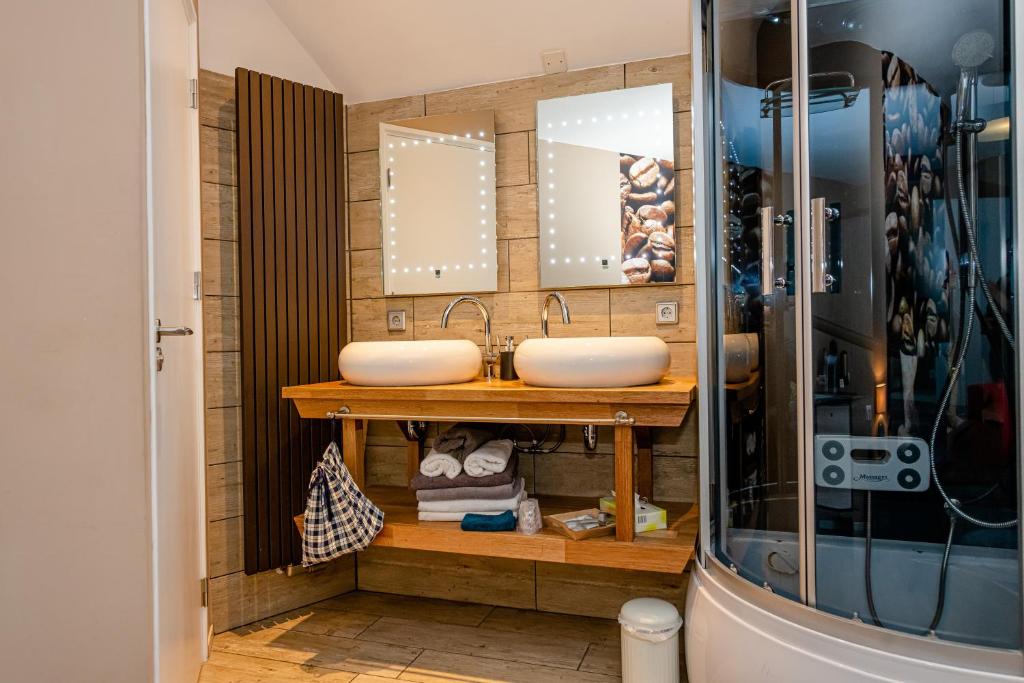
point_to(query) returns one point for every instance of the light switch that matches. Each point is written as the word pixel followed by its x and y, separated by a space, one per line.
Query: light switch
pixel 396 321
pixel 666 312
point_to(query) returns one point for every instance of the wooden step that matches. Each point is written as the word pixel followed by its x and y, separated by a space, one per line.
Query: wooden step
pixel 668 550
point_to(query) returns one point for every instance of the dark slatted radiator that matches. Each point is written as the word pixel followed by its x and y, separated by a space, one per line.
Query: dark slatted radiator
pixel 291 196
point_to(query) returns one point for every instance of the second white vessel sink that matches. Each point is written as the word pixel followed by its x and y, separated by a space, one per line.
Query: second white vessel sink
pixel 577 362
pixel 409 363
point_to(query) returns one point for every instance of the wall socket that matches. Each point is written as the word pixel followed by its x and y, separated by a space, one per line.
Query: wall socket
pixel 666 312
pixel 554 61
pixel 396 321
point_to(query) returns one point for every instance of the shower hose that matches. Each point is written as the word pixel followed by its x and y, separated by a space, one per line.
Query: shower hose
pixel 969 306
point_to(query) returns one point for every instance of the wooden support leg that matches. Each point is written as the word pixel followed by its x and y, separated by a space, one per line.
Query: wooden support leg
pixel 624 512
pixel 644 463
pixel 352 444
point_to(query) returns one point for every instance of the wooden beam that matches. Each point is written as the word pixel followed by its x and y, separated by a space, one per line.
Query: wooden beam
pixel 624 487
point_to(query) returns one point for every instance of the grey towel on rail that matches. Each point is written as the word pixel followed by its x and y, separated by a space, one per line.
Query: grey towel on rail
pixel 421 482
pixel 461 440
pixel 471 492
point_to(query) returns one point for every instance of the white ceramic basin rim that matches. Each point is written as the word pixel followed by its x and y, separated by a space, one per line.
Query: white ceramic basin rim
pixel 592 362
pixel 409 363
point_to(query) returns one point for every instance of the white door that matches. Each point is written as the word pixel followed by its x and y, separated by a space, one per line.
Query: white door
pixel 176 377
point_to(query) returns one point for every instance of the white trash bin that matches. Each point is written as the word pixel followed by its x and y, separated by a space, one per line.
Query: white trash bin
pixel 650 641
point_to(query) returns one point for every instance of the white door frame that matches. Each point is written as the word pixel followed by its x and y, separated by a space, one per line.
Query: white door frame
pixel 191 14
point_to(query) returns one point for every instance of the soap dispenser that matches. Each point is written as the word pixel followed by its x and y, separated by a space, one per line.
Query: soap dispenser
pixel 508 369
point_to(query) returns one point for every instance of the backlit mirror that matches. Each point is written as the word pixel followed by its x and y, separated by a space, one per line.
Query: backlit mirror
pixel 437 204
pixel 606 188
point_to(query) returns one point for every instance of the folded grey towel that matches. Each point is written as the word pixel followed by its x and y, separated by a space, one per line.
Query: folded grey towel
pixel 474 492
pixel 461 440
pixel 421 482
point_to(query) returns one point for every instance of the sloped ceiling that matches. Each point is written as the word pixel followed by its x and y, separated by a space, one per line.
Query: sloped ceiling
pixel 376 50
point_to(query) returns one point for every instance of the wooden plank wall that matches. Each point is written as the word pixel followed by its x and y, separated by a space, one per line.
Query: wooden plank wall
pixel 516 310
pixel 236 598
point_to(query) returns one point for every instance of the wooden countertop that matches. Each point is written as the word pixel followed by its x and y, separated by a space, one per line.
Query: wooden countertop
pixel 674 390
pixel 656 405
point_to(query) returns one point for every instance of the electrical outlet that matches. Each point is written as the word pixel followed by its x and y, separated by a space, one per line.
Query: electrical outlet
pixel 396 321
pixel 666 312
pixel 554 61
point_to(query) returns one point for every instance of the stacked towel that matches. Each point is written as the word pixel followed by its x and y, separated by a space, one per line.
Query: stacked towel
pixel 482 481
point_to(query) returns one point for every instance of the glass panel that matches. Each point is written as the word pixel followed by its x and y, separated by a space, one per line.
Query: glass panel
pixel 914 375
pixel 755 464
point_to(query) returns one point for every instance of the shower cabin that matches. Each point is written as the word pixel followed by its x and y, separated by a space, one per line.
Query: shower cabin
pixel 857 188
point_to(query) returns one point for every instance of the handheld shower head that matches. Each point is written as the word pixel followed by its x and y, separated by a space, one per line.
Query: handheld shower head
pixel 973 49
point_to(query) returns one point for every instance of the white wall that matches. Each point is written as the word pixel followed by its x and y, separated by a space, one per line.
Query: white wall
pixel 74 517
pixel 248 33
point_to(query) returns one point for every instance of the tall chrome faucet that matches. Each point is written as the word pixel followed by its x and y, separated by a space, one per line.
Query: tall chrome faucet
pixel 544 312
pixel 489 356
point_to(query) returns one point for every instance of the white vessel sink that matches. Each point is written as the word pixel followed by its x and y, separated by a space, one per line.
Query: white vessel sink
pixel 409 363
pixel 592 361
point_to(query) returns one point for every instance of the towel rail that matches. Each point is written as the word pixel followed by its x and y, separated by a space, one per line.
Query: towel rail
pixel 619 419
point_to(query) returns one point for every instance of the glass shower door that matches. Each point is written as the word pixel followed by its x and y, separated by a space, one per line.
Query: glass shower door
pixel 909 396
pixel 755 478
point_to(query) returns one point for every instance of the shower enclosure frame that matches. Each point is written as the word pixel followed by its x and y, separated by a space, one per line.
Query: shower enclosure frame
pixel 707 148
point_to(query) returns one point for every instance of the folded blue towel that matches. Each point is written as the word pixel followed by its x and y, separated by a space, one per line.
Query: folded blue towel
pixel 506 521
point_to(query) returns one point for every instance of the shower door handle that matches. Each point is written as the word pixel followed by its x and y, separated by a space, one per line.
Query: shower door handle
pixel 821 215
pixel 768 222
pixel 767 249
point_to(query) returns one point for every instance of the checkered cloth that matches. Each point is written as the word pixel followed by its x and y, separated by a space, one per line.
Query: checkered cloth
pixel 339 518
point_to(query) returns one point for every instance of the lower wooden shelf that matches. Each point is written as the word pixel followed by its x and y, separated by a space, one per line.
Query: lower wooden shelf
pixel 668 550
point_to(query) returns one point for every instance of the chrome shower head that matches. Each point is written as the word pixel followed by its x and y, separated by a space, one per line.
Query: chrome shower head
pixel 973 49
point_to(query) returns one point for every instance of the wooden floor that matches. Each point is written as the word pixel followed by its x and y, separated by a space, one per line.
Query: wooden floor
pixel 371 637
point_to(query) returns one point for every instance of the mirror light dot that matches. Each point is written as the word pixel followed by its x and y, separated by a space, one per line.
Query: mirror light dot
pixel 403 144
pixel 552 261
pixel 405 270
pixel 483 265
pixel 471 266
pixel 567 259
pixel 551 155
pixel 552 231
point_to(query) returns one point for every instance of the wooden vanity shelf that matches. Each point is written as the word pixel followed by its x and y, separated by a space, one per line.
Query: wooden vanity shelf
pixel 630 411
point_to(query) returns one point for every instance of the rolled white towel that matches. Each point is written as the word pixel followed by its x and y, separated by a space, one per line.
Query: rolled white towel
pixel 436 464
pixel 475 505
pixel 490 458
pixel 425 516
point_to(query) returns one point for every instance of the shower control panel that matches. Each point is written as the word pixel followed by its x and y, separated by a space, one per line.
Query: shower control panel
pixel 881 463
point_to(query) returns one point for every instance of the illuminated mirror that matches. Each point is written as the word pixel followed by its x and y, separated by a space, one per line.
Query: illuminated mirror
pixel 437 204
pixel 606 188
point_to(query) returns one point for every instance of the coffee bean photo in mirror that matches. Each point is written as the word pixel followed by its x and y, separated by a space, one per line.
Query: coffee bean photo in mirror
pixel 648 215
pixel 606 185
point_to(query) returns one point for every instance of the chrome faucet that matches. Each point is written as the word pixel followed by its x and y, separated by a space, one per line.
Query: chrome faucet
pixel 489 356
pixel 544 312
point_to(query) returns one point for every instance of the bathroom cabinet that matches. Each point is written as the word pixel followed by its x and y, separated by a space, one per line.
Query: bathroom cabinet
pixel 631 411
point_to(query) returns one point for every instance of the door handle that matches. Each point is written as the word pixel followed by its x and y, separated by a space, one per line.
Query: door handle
pixel 768 222
pixel 821 215
pixel 170 331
